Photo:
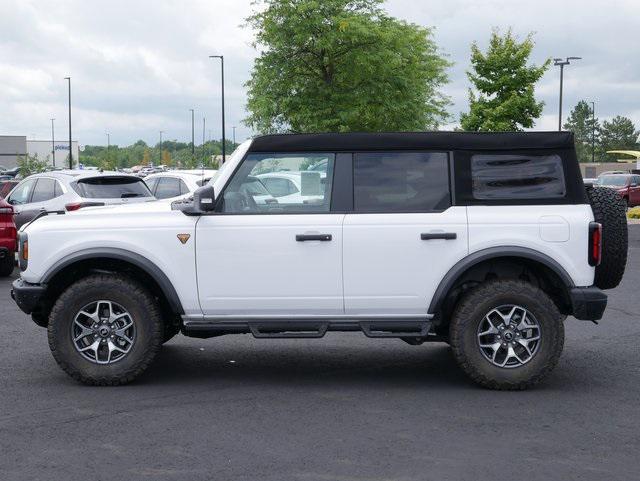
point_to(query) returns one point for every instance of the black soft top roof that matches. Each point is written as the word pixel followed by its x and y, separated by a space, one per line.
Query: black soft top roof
pixel 358 141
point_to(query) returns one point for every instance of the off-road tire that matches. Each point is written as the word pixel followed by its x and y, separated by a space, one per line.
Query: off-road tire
pixel 470 311
pixel 609 209
pixel 129 294
pixel 7 264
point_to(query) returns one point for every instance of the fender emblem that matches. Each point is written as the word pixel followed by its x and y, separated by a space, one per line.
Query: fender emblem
pixel 184 238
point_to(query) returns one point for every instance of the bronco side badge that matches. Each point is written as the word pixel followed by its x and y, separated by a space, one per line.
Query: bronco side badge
pixel 184 238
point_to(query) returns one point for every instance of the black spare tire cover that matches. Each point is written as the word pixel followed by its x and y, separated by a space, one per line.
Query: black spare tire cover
pixel 609 209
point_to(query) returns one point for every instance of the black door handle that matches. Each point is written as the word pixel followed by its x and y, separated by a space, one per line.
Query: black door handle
pixel 438 235
pixel 313 237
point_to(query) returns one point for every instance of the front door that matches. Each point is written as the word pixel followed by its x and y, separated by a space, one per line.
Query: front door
pixel 260 256
pixel 403 236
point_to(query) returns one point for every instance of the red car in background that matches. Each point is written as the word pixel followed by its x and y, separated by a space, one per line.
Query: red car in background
pixel 8 237
pixel 627 185
pixel 6 186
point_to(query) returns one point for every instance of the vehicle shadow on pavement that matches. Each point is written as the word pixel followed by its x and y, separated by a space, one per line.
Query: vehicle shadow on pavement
pixel 290 364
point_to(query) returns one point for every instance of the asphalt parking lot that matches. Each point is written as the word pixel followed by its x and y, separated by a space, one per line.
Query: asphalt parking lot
pixel 340 408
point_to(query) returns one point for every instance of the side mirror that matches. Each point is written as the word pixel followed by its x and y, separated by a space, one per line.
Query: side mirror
pixel 204 199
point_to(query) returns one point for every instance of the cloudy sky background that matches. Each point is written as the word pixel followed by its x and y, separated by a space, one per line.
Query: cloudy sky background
pixel 138 66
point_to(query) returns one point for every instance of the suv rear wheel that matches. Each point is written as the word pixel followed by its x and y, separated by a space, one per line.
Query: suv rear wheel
pixel 105 329
pixel 506 334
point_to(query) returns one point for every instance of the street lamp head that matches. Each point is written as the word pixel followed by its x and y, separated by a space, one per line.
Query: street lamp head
pixel 574 58
pixel 216 56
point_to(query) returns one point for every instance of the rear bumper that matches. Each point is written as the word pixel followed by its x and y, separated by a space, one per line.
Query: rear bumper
pixel 4 252
pixel 588 303
pixel 26 295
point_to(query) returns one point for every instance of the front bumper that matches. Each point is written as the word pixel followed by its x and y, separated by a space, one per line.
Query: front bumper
pixel 26 295
pixel 588 303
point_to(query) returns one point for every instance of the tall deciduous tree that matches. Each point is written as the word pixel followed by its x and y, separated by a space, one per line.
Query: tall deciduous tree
pixel 342 65
pixel 619 134
pixel 503 97
pixel 586 129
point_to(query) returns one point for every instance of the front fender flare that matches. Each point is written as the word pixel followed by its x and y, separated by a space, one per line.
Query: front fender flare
pixel 123 255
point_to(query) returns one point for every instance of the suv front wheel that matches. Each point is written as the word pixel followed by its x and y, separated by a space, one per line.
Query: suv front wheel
pixel 506 334
pixel 105 329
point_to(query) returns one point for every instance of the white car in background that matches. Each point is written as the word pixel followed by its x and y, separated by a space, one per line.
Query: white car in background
pixel 176 183
pixel 294 187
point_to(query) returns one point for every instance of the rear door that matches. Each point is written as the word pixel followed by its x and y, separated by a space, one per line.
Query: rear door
pixel 634 190
pixel 403 236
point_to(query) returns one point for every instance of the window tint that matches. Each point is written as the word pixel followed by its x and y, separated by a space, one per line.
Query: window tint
pixel 44 190
pixel 506 176
pixel 248 193
pixel 168 187
pixel 112 187
pixel 22 193
pixel 401 182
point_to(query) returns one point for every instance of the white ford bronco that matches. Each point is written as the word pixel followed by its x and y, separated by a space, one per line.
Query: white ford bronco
pixel 485 241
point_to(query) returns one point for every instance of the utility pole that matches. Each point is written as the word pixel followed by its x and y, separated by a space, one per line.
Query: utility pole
pixel 561 63
pixel 234 136
pixel 160 163
pixel 204 155
pixel 593 132
pixel 221 57
pixel 53 143
pixel 193 141
pixel 70 143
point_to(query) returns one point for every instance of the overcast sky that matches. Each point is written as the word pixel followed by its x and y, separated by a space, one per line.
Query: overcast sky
pixel 138 66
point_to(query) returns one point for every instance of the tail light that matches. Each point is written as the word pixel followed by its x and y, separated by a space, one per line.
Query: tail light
pixel 79 205
pixel 6 210
pixel 595 243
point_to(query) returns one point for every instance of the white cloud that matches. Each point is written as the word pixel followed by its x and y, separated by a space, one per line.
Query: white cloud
pixel 138 66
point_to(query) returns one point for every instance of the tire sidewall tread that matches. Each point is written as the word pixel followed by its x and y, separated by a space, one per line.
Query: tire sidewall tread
pixel 125 291
pixel 471 310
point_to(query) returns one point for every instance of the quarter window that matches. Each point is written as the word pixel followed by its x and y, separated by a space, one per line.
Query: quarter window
pixel 249 191
pixel 401 182
pixel 507 176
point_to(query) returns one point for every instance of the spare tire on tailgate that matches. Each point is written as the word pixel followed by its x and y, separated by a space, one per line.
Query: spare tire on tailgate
pixel 609 209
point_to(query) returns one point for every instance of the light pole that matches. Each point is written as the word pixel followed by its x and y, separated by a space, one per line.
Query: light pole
pixel 234 136
pixel 593 132
pixel 221 57
pixel 561 63
pixel 68 79
pixel 204 124
pixel 53 143
pixel 160 163
pixel 193 148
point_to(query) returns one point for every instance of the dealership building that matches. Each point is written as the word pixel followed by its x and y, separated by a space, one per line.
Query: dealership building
pixel 56 154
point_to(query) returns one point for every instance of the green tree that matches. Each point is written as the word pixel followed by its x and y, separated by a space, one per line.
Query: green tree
pixel 30 164
pixel 504 97
pixel 585 128
pixel 342 65
pixel 618 134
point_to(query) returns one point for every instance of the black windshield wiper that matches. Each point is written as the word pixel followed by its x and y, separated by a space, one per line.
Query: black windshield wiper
pixel 128 195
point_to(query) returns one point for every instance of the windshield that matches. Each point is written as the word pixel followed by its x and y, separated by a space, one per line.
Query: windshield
pixel 616 180
pixel 112 188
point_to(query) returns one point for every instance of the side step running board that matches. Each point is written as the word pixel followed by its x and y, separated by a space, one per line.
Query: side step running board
pixel 296 329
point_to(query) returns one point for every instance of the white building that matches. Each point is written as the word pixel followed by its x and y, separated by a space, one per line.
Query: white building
pixel 43 149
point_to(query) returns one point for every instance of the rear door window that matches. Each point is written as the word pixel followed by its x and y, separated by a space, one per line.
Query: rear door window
pixel 401 182
pixel 168 187
pixel 511 176
pixel 112 188
pixel 44 190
